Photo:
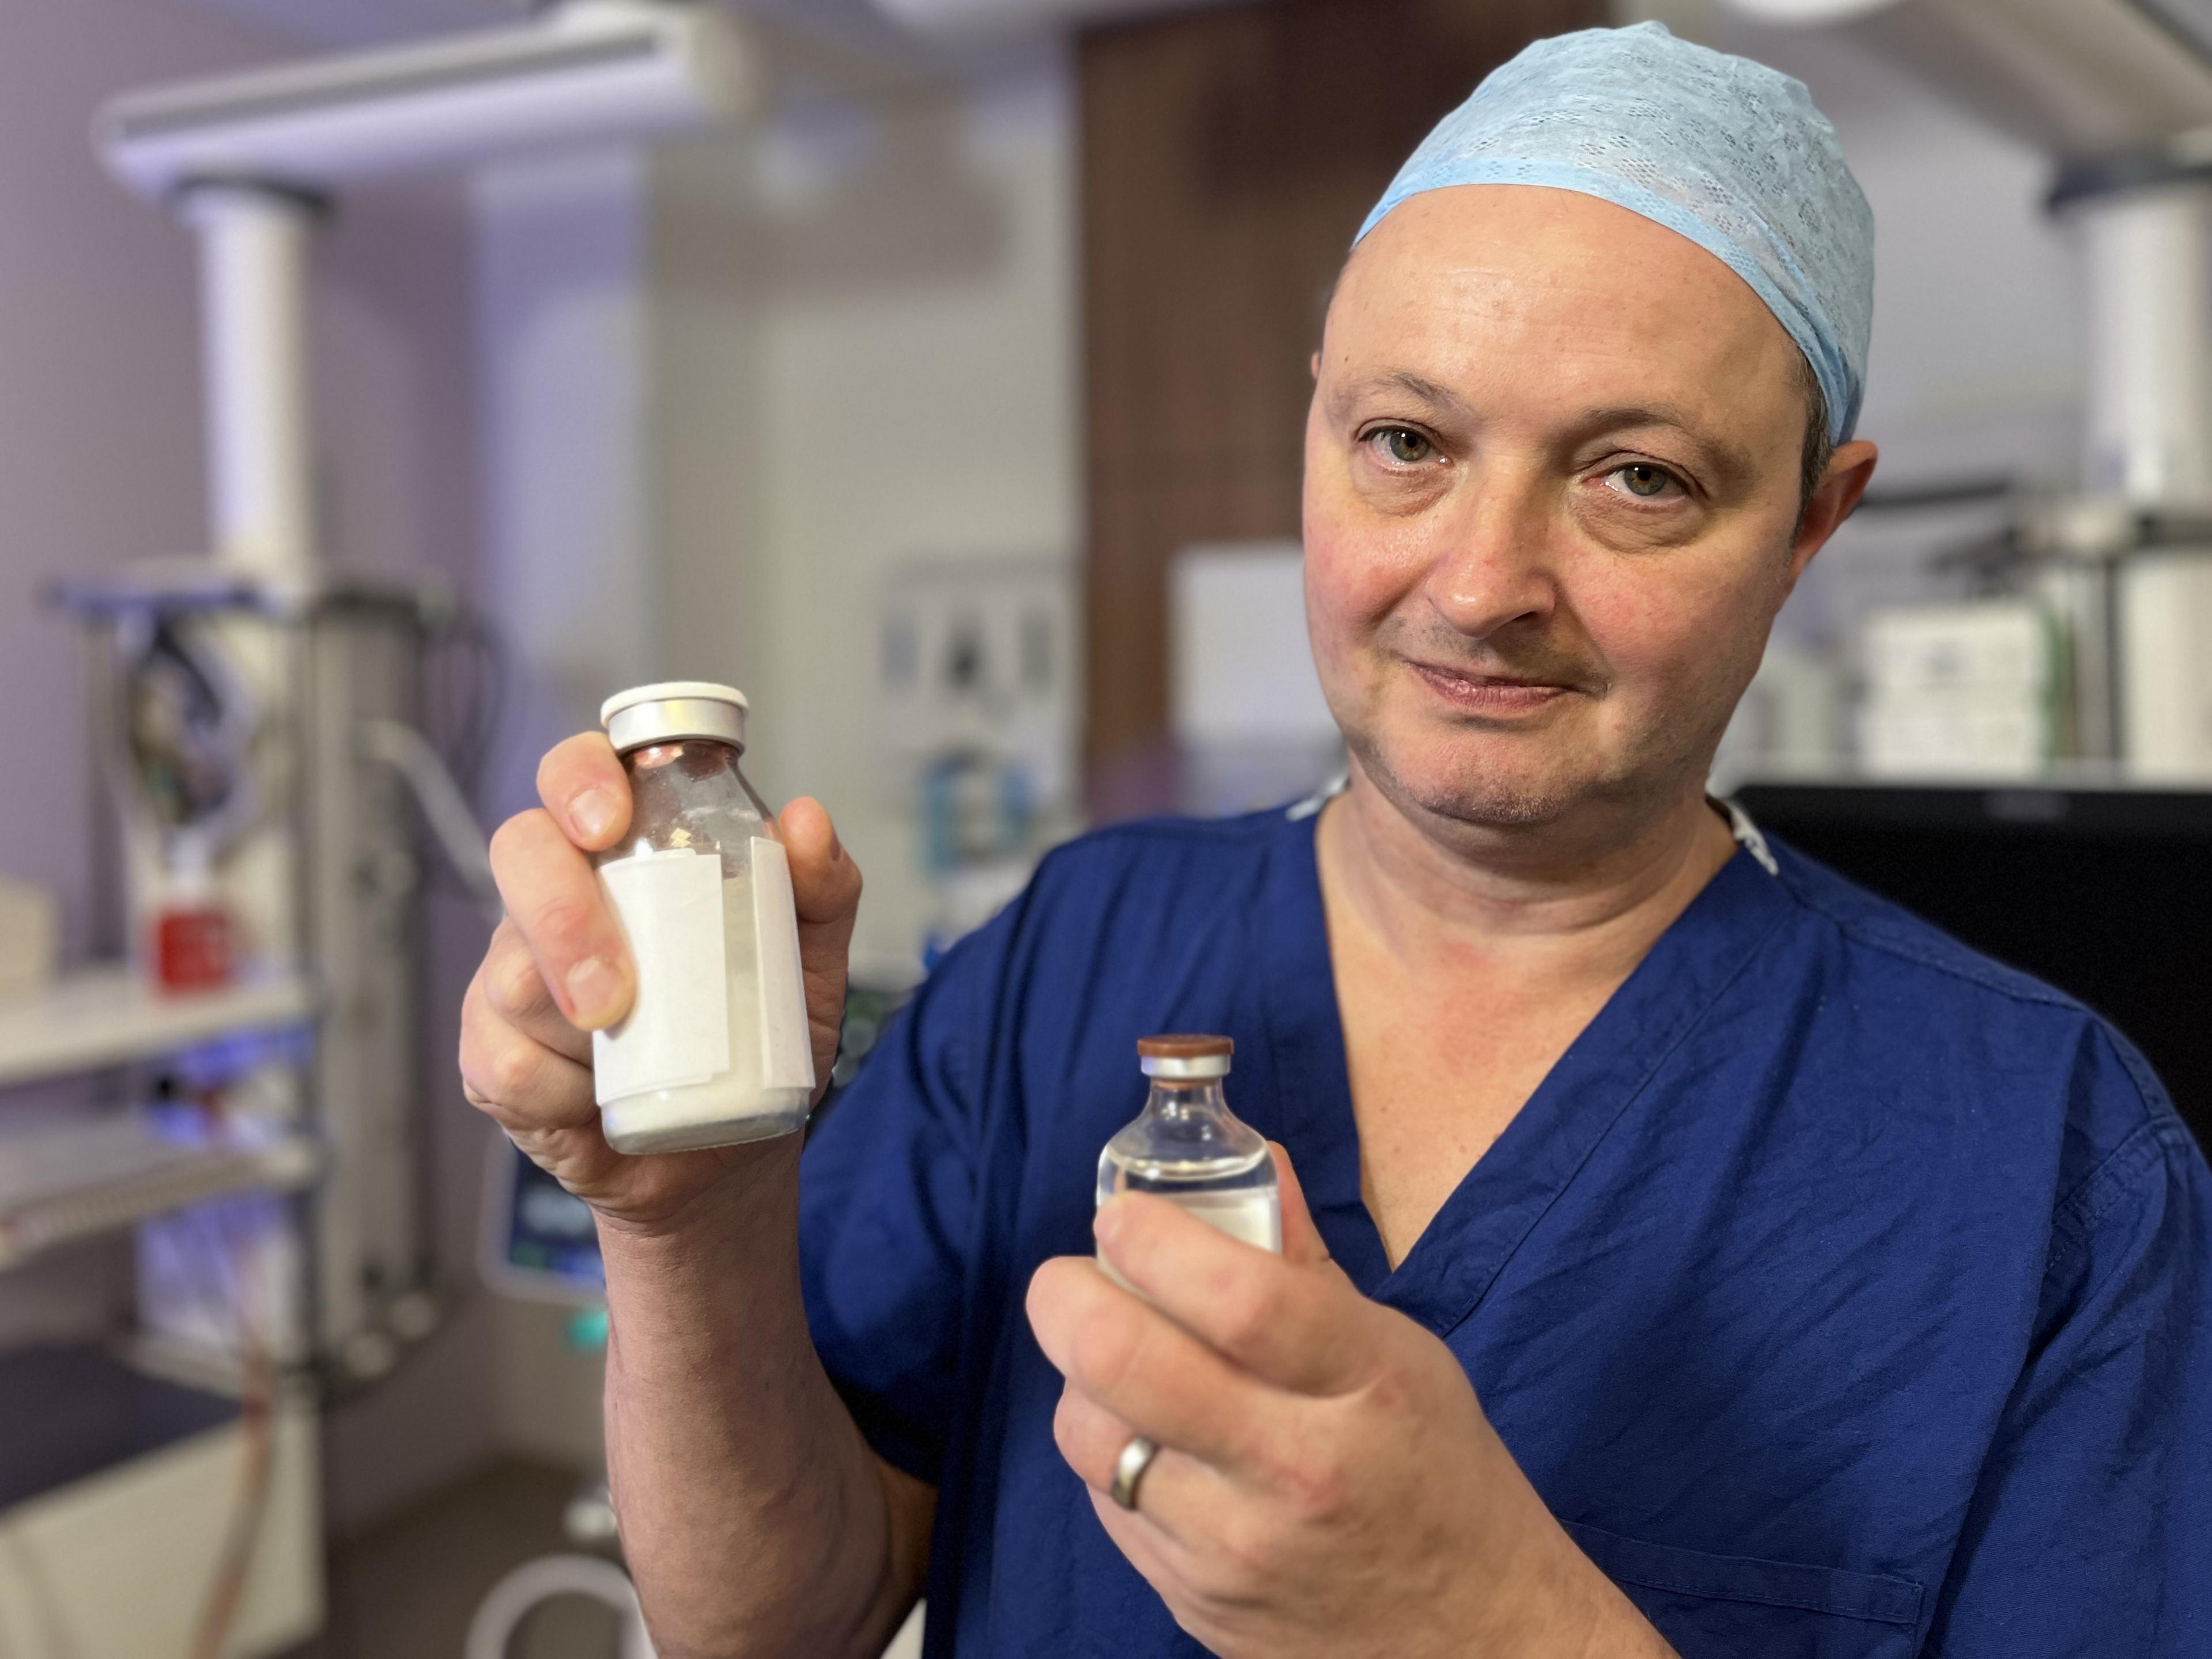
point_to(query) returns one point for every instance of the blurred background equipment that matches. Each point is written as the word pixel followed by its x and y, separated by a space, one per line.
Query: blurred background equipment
pixel 534 1583
pixel 1251 728
pixel 2118 558
pixel 258 716
pixel 1963 690
pixel 587 71
pixel 261 846
pixel 979 672
pixel 539 1240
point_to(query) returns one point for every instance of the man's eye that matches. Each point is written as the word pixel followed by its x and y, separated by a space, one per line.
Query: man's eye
pixel 1644 481
pixel 1403 445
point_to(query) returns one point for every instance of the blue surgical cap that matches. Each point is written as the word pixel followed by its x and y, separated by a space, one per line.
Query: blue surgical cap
pixel 1728 153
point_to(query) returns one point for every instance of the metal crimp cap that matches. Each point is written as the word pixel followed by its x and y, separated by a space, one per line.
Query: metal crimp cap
pixel 1184 1056
pixel 672 710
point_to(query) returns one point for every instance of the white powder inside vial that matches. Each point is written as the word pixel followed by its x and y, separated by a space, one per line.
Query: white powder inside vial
pixel 736 1106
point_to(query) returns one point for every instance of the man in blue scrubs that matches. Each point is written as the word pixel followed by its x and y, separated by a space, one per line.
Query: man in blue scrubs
pixel 1684 1250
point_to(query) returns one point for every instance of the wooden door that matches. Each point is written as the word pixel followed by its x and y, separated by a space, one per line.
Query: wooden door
pixel 1228 156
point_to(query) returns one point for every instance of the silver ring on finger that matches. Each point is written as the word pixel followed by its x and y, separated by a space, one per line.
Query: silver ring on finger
pixel 1129 1469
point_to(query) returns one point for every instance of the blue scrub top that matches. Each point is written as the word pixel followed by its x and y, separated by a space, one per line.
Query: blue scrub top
pixel 1844 1293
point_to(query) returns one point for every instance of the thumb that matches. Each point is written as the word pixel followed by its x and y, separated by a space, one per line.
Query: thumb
pixel 1302 1241
pixel 825 883
pixel 825 890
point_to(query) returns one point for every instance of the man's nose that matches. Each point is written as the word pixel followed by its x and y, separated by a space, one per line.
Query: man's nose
pixel 1493 563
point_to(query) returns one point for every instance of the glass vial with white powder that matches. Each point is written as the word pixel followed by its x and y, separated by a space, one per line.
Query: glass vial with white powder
pixel 1189 1146
pixel 716 1050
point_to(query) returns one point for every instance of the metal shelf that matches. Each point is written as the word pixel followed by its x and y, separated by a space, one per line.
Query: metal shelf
pixel 75 1180
pixel 106 1017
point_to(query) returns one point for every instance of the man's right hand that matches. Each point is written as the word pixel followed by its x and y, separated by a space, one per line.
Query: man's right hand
pixel 558 970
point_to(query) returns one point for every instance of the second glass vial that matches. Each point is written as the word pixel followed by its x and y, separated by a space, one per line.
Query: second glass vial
pixel 1189 1146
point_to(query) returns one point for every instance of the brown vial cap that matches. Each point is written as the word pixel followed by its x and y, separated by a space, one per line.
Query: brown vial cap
pixel 1184 1047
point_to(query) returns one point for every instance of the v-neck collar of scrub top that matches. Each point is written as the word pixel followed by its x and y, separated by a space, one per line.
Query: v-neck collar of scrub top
pixel 1444 1278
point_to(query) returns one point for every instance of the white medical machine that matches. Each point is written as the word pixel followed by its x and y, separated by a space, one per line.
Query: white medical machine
pixel 260 725
pixel 2120 93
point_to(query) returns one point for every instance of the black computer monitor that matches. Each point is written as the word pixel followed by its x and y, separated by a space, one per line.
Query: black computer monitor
pixel 2105 893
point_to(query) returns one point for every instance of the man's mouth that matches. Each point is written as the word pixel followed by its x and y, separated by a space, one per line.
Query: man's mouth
pixel 1495 694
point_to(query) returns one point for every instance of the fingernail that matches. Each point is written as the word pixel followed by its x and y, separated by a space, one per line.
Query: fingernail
pixel 593 812
pixel 594 986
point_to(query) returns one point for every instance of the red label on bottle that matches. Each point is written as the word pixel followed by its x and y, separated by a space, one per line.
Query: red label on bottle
pixel 191 950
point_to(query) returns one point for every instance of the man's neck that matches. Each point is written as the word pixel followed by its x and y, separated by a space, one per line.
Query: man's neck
pixel 1582 904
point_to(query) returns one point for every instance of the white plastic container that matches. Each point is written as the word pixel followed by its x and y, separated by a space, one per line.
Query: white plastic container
pixel 716 1049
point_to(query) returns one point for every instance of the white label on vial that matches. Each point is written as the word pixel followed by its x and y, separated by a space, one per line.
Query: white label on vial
pixel 677 1032
pixel 1256 1216
pixel 1253 1216
pixel 786 1043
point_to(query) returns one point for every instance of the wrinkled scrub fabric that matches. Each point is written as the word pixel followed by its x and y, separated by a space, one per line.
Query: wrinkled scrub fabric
pixel 1846 1294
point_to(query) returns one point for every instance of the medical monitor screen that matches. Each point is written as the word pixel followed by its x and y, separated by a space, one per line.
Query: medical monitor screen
pixel 540 1239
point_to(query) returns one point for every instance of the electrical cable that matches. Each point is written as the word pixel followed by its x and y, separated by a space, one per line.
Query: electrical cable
pixel 494 685
pixel 247 1291
pixel 453 822
pixel 467 679
pixel 465 682
pixel 257 1466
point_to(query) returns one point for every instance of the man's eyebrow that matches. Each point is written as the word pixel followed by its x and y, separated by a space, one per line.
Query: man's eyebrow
pixel 1717 452
pixel 1437 396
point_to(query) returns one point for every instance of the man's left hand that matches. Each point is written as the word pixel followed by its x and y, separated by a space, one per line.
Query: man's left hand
pixel 1327 1483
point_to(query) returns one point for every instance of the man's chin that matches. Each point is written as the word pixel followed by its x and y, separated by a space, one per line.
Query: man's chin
pixel 1496 805
pixel 1497 796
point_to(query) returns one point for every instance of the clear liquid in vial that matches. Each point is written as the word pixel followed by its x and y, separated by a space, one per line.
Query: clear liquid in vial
pixel 1237 1194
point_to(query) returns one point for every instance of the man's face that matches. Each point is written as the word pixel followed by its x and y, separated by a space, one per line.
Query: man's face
pixel 1553 475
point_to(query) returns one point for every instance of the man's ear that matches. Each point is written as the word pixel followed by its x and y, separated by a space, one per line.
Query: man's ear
pixel 1851 470
pixel 1313 365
